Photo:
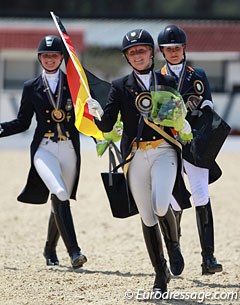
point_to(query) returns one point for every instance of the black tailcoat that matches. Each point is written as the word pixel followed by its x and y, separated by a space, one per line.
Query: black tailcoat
pixel 188 87
pixel 35 101
pixel 122 98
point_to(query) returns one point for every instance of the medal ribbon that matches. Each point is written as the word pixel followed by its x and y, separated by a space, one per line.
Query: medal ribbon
pixel 141 84
pixel 153 82
pixel 182 74
pixel 56 103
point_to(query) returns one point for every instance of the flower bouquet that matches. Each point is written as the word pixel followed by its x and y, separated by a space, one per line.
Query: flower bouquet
pixel 168 107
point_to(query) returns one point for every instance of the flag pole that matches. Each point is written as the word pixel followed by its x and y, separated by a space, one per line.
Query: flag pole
pixel 69 52
pixel 73 60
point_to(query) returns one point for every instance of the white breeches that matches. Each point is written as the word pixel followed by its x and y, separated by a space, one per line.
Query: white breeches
pixel 151 176
pixel 198 182
pixel 56 165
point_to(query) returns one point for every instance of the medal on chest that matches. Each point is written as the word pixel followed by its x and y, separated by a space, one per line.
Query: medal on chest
pixel 57 114
pixel 143 102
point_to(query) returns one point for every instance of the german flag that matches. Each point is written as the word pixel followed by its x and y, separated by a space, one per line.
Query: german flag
pixel 79 82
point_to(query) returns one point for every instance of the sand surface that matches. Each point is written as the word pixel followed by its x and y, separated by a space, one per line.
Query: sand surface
pixel 118 270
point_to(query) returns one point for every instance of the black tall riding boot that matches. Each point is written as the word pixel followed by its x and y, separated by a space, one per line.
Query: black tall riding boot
pixel 169 229
pixel 206 235
pixel 64 221
pixel 153 242
pixel 51 243
pixel 178 216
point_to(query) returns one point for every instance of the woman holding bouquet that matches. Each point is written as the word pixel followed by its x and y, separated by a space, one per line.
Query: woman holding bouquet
pixel 154 172
pixel 194 87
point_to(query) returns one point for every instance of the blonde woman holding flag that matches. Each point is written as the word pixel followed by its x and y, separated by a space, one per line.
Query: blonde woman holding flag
pixel 155 169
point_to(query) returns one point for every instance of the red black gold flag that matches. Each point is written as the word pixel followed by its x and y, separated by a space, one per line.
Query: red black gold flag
pixel 81 82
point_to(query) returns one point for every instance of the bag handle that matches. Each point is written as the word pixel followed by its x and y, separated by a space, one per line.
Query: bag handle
pixel 117 151
pixel 112 156
pixel 112 160
pixel 113 167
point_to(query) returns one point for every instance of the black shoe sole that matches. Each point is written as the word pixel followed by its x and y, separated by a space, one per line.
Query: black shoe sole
pixel 179 270
pixel 210 271
pixel 78 262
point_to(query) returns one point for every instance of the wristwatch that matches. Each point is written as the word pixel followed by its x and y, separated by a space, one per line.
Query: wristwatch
pixel 1 129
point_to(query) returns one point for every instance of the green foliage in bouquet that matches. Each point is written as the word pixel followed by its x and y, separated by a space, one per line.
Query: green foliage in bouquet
pixel 101 147
pixel 168 108
pixel 116 133
pixel 112 136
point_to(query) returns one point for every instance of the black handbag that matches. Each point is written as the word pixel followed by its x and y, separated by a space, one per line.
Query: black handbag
pixel 209 133
pixel 121 201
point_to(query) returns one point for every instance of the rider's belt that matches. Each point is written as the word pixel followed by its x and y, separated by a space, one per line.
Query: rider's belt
pixel 50 135
pixel 147 144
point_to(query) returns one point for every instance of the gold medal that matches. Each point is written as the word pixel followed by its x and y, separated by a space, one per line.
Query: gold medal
pixel 144 102
pixel 58 115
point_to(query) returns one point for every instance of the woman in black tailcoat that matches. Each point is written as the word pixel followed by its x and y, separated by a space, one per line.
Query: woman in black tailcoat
pixel 154 172
pixel 55 149
pixel 194 87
